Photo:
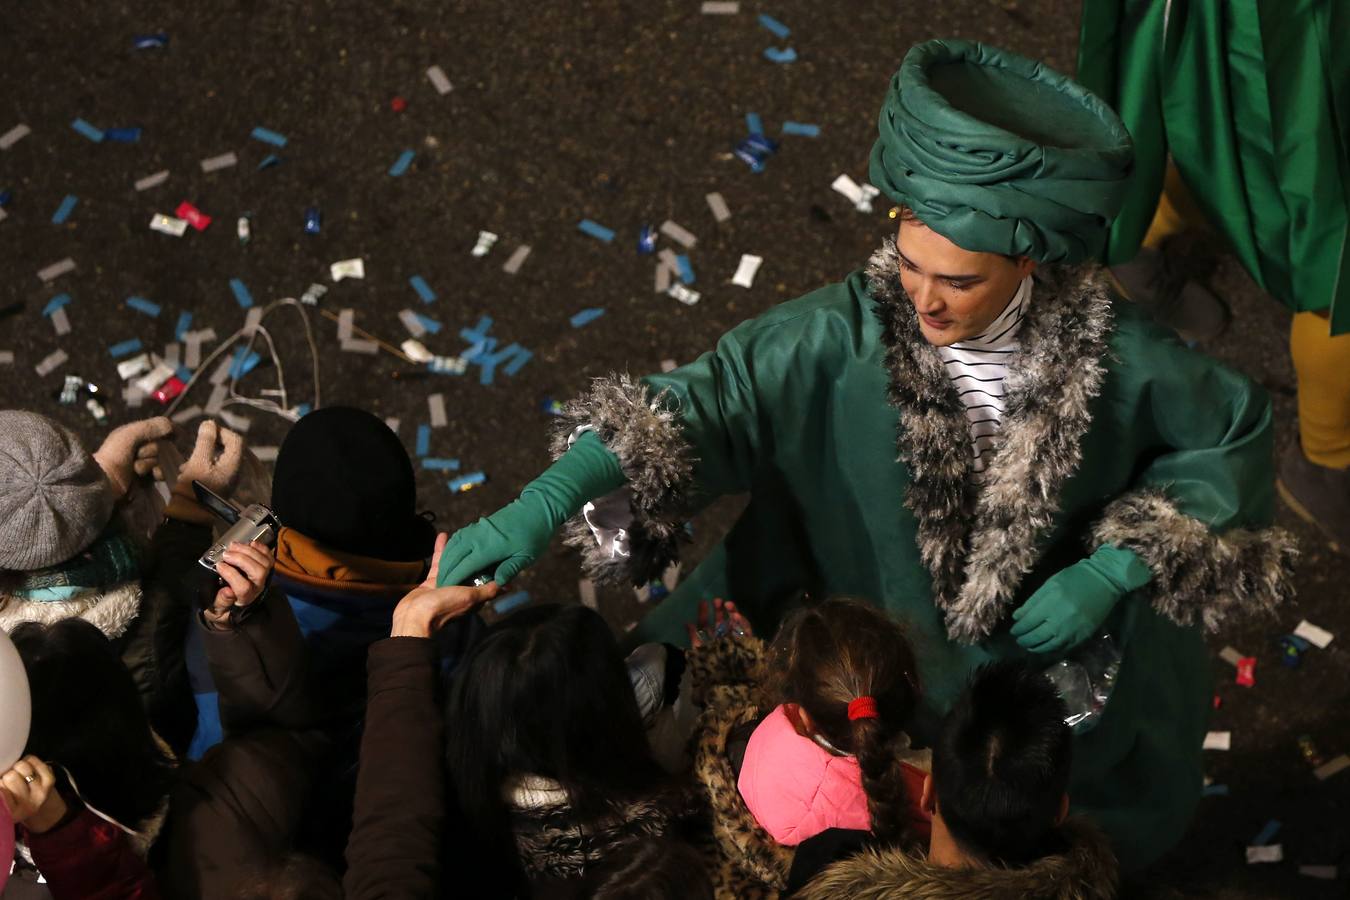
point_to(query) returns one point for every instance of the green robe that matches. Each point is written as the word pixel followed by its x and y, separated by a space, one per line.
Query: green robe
pixel 1114 433
pixel 1252 101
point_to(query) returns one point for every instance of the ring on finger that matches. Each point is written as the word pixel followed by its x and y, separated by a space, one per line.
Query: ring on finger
pixel 28 779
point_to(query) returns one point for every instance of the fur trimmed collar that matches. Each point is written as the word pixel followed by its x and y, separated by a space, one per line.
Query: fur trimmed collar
pixel 1086 871
pixel 979 543
pixel 111 611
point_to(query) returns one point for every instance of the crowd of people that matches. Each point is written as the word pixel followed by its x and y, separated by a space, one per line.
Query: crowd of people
pixel 966 463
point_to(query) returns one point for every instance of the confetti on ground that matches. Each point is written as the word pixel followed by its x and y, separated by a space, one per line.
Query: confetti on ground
pixel 50 362
pixel 786 55
pixel 241 294
pixel 1231 655
pixel 168 225
pixel 596 230
pixel 484 244
pixel 65 209
pixel 268 136
pixel 423 289
pixel 522 356
pixel 1329 873
pixel 685 268
pixel 517 259
pixel 6 357
pixel 14 135
pixel 683 294
pixel 511 602
pixel 440 464
pixel 89 131
pixel 216 163
pixel 801 129
pixel 1272 853
pixel 439 80
pixel 1318 637
pixel 150 41
pixel 678 234
pixel 57 269
pixel 123 135
pixel 60 322
pixel 663 275
pixel 150 181
pixel 587 315
pixel 467 482
pixel 721 7
pixel 423 440
pixel 753 123
pixel 140 304
pixel 348 268
pixel 718 206
pixel 402 163
pixel 55 303
pixel 778 29
pixel 1218 740
pixel 125 348
pixel 1267 833
pixel 436 407
pixel 410 322
pixel 193 216
pixel 745 272
pixel 1325 771
pixel 669 365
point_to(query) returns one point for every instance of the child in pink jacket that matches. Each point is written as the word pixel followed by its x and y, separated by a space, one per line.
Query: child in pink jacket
pixel 830 755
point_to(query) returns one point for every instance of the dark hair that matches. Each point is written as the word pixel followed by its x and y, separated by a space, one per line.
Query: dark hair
pixel 293 877
pixel 827 655
pixel 1001 763
pixel 651 869
pixel 545 692
pixel 88 718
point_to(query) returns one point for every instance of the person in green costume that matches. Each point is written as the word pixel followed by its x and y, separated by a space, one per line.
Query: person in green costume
pixel 1124 485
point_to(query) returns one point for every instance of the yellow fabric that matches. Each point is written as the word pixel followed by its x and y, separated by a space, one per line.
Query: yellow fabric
pixel 1323 366
pixel 1177 210
pixel 303 559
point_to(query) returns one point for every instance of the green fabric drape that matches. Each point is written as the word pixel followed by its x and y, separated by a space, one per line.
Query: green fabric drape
pixel 1251 98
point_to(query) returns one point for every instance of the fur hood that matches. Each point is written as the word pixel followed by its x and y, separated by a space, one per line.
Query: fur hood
pixel 1086 871
pixel 554 842
pixel 111 610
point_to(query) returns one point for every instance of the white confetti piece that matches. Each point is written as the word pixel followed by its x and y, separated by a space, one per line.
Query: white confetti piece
pixel 412 323
pixel 678 234
pixel 436 406
pixel 1328 873
pixel 517 259
pixel 485 241
pixel 683 294
pixel 416 351
pixel 348 268
pixel 1230 656
pixel 860 195
pixel 168 225
pixel 128 369
pixel 172 352
pixel 745 272
pixel 216 163
pixel 1326 770
pixel 185 415
pixel 1218 740
pixel 718 206
pixel 1318 637
pixel 133 396
pixel 221 375
pixel 392 424
pixel 668 258
pixel 439 80
pixel 663 275
pixel 219 394
pixel 6 357
pixel 669 365
pixel 151 181
pixel 154 379
pixel 60 321
pixel 192 350
pixel 252 319
pixel 1270 853
pixel 50 362
pixel 721 7
pixel 57 269
pixel 345 319
pixel 14 135
pixel 265 454
pixel 355 345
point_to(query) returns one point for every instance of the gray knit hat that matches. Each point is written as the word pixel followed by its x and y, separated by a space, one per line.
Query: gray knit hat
pixel 54 499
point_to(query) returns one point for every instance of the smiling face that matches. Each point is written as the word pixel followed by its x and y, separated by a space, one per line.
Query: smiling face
pixel 957 293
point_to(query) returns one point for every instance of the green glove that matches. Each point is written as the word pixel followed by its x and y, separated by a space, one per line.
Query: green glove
pixel 513 537
pixel 1072 604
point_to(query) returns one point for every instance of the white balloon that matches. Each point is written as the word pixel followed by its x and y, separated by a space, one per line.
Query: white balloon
pixel 16 704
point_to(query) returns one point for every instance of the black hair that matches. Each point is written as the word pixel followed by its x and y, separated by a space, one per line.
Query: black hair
pixel 1001 764
pixel 544 692
pixel 651 869
pixel 88 718
pixel 825 656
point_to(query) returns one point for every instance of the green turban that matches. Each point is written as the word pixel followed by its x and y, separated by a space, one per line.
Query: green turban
pixel 1001 154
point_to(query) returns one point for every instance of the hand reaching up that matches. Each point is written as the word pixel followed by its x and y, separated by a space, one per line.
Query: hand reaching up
pixel 426 608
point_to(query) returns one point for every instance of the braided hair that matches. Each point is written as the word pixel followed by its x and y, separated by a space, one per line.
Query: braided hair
pixel 828 655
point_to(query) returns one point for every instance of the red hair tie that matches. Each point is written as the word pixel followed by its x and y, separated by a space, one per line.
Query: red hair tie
pixel 862 708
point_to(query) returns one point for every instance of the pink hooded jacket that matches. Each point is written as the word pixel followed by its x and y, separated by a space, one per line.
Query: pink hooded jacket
pixel 795 788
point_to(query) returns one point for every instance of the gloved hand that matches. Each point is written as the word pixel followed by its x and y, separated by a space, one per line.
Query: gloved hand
pixel 513 537
pixel 217 472
pixel 1072 604
pixel 131 450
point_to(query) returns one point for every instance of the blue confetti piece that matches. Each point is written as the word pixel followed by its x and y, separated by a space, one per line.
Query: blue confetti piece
pixel 184 323
pixel 1267 833
pixel 479 349
pixel 522 357
pixel 753 123
pixel 478 332
pixel 428 323
pixel 779 30
pixel 487 361
pixel 149 41
pixel 244 362
pixel 140 304
pixel 123 135
pixel 439 464
pixel 423 440
pixel 423 289
pixel 804 129
pixel 1216 790
pixel 464 482
pixel 587 315
pixel 401 164
pixel 268 136
pixel 303 409
pixel 126 348
pixel 184 374
pixel 55 303
pixel 269 161
pixel 685 267
pixel 596 230
pixel 89 131
pixel 241 294
pixel 511 602
pixel 65 209
pixel 786 55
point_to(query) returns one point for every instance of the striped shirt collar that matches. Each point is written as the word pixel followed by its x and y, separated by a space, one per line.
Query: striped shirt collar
pixel 1002 333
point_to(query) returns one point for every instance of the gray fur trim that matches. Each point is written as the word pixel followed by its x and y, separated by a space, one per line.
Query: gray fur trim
pixel 1087 871
pixel 658 463
pixel 111 611
pixel 979 545
pixel 1199 576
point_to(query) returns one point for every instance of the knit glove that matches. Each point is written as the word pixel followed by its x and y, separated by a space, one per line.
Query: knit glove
pixel 1072 604
pixel 514 536
pixel 215 461
pixel 132 450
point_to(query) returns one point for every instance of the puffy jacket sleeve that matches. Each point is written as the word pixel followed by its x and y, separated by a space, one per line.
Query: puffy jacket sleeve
pixel 86 858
